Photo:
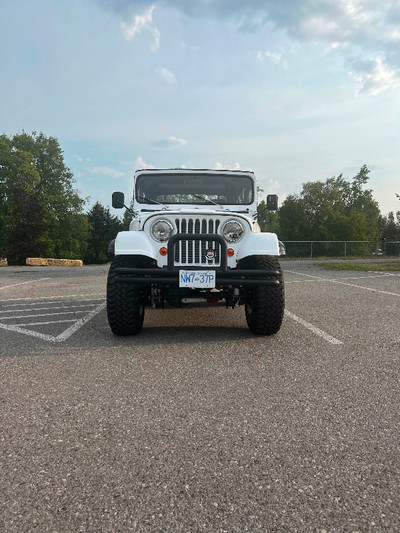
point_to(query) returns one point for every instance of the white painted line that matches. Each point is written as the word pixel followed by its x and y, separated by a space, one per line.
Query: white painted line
pixel 313 328
pixel 46 308
pixel 18 329
pixel 302 280
pixel 23 283
pixel 55 297
pixel 325 279
pixel 70 331
pixel 44 323
pixel 319 278
pixel 63 336
pixel 39 314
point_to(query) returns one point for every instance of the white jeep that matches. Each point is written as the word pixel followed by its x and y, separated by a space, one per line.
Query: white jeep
pixel 194 240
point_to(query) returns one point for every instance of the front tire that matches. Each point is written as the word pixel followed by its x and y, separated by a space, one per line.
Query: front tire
pixel 265 304
pixel 125 300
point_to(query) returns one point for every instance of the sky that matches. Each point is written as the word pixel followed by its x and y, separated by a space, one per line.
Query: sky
pixel 294 90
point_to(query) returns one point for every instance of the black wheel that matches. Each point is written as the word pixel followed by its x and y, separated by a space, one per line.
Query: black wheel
pixel 125 301
pixel 265 304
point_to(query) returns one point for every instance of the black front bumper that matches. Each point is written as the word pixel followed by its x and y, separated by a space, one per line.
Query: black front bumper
pixel 234 277
pixel 169 276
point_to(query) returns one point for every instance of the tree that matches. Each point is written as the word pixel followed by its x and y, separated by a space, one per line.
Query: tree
pixel 127 217
pixel 336 209
pixel 25 228
pixel 391 227
pixel 103 227
pixel 37 199
pixel 268 220
pixel 62 201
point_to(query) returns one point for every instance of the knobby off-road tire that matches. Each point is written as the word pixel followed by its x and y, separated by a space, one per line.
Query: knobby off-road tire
pixel 125 300
pixel 265 304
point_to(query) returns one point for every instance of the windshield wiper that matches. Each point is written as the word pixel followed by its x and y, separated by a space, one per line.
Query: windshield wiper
pixel 208 200
pixel 150 201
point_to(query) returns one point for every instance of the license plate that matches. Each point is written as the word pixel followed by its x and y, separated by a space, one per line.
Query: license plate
pixel 197 279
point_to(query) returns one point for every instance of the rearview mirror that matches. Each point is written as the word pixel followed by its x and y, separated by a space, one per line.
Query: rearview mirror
pixel 118 200
pixel 272 202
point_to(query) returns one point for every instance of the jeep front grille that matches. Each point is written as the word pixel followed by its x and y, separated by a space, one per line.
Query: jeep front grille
pixel 193 252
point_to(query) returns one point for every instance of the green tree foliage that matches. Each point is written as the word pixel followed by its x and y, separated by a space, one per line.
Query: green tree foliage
pixel 24 228
pixel 127 217
pixel 41 213
pixel 268 220
pixel 391 227
pixel 336 209
pixel 103 227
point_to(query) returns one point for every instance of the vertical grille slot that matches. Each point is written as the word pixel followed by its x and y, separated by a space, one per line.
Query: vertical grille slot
pixel 178 244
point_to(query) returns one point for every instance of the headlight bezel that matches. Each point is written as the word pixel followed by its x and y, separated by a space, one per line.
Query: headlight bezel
pixel 231 240
pixel 169 225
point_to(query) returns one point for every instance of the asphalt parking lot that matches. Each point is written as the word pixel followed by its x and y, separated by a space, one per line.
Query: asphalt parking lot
pixel 195 424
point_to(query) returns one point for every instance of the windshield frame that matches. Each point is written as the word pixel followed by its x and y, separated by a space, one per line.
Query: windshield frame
pixel 231 188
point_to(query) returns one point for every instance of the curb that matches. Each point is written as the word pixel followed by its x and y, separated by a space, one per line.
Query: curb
pixel 40 261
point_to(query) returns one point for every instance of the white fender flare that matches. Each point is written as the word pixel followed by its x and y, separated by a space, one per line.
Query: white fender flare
pixel 259 244
pixel 134 243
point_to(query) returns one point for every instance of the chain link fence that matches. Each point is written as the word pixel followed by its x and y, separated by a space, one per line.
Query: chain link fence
pixel 342 248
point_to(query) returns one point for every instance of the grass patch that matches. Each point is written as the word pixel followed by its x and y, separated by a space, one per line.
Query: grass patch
pixel 381 266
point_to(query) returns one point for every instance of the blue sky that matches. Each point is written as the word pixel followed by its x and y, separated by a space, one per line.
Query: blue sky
pixel 294 90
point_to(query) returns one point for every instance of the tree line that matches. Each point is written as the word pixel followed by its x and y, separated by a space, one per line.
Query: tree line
pixel 336 209
pixel 42 214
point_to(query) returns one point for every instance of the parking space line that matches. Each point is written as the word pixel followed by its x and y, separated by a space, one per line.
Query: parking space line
pixel 314 329
pixel 44 323
pixel 64 335
pixel 46 308
pixel 55 298
pixel 38 314
pixel 81 322
pixel 319 278
pixel 324 279
pixel 23 283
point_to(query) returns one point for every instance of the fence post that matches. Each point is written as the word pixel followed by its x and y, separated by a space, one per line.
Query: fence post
pixel 345 248
pixel 311 243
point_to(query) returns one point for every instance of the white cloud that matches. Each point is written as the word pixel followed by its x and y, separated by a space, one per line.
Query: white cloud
pixel 140 164
pixel 166 75
pixel 273 57
pixel 107 171
pixel 220 166
pixel 355 28
pixel 273 186
pixel 191 47
pixel 78 158
pixel 335 46
pixel 394 35
pixel 378 78
pixel 317 27
pixel 170 142
pixel 140 23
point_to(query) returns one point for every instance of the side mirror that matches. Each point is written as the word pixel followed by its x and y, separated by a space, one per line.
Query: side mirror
pixel 118 200
pixel 272 202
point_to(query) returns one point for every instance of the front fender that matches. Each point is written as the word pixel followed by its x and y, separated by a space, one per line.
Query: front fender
pixel 259 244
pixel 134 243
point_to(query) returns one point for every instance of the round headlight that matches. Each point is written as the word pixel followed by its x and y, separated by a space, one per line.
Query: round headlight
pixel 161 230
pixel 232 231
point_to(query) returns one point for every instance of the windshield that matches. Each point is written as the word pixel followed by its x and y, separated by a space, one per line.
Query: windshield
pixel 200 189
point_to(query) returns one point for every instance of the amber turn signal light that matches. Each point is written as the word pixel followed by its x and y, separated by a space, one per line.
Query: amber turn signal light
pixel 163 251
pixel 230 252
